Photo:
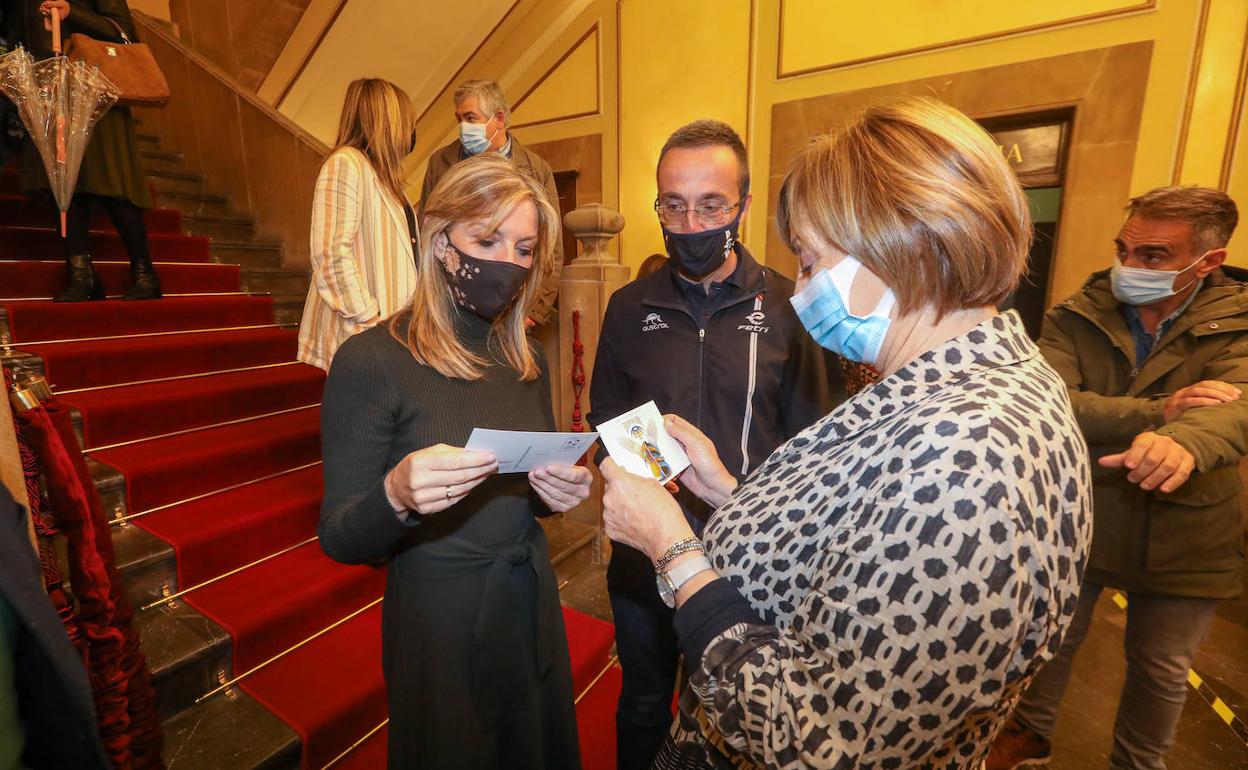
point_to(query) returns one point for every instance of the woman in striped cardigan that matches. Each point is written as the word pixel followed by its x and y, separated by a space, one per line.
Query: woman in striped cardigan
pixel 364 230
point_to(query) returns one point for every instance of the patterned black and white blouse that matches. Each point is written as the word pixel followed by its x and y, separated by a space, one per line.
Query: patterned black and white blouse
pixel 914 557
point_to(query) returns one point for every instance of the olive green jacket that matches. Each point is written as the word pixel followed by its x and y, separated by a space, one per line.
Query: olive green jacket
pixel 1188 542
pixel 442 160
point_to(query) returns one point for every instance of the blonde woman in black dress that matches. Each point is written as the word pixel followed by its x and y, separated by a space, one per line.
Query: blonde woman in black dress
pixel 474 650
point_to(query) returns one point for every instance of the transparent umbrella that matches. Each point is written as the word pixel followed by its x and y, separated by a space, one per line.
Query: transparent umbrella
pixel 59 102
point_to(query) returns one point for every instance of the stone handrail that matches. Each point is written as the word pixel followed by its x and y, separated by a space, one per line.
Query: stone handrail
pixel 250 152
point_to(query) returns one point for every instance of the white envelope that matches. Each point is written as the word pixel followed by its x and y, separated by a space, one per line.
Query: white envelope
pixel 521 451
pixel 640 444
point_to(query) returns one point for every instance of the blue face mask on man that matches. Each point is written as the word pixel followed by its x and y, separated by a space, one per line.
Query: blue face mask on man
pixel 473 138
pixel 823 308
pixel 1143 286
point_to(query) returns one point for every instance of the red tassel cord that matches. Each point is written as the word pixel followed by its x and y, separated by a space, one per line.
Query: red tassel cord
pixel 578 373
pixel 72 513
pixel 144 721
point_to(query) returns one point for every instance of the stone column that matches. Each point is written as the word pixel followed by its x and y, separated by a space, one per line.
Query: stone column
pixel 585 285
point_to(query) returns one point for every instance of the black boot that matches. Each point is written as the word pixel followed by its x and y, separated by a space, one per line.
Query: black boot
pixel 84 282
pixel 145 284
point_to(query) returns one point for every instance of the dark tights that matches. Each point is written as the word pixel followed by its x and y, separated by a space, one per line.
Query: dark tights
pixel 127 218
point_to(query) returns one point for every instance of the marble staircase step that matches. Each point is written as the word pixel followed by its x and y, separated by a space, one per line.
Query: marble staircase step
pixel 246 253
pixel 228 228
pixel 176 181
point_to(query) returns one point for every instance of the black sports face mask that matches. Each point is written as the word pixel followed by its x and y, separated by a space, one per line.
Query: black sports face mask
pixel 697 255
pixel 484 287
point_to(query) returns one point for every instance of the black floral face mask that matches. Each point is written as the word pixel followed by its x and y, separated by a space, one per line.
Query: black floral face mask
pixel 484 287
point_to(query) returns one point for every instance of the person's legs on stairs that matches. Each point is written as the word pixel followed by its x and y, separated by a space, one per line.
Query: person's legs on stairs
pixel 128 219
pixel 83 283
pixel 646 645
pixel 1024 741
pixel 1163 634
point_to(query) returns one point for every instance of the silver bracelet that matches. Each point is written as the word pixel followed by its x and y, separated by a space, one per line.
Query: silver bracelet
pixel 680 548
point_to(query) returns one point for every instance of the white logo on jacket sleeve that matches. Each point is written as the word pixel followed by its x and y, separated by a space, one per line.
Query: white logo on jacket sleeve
pixel 653 322
pixel 754 323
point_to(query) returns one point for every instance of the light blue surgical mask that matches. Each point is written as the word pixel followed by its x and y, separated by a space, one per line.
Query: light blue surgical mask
pixel 473 137
pixel 823 307
pixel 1142 286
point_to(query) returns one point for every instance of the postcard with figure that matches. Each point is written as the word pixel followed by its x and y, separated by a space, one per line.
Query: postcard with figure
pixel 640 444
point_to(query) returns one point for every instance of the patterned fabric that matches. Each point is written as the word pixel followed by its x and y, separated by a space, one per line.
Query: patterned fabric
pixel 917 555
pixel 857 376
pixel 363 265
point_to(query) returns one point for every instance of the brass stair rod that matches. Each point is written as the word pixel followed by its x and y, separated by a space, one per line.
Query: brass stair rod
pixel 357 744
pixel 123 519
pixel 183 294
pixel 137 335
pixel 224 575
pixel 231 682
pixel 257 367
pixel 601 674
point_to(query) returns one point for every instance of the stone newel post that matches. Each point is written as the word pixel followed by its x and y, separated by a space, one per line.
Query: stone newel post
pixel 585 286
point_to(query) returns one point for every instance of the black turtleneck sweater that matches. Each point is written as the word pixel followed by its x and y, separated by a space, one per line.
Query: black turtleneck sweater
pixel 473 642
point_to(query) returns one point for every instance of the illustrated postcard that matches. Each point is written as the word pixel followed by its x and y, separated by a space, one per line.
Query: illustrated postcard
pixel 639 444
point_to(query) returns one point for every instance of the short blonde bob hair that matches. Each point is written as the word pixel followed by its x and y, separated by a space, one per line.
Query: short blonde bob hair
pixel 922 196
pixel 378 120
pixel 485 188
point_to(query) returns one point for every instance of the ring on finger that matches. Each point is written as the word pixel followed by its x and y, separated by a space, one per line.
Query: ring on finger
pixel 448 493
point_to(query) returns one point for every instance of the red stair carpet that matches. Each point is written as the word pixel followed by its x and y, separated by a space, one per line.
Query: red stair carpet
pixel 198 401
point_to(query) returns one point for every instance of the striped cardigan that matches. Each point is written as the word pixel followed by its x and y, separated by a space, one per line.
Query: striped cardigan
pixel 363 266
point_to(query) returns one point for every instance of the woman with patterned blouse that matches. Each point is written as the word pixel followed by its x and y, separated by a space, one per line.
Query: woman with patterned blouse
pixel 881 590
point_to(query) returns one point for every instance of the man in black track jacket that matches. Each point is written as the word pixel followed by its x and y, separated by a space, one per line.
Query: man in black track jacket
pixel 710 336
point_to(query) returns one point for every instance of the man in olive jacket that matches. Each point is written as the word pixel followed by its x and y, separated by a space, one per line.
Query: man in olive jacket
pixel 483 117
pixel 1155 354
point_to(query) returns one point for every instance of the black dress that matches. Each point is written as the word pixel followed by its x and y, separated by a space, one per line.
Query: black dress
pixel 473 644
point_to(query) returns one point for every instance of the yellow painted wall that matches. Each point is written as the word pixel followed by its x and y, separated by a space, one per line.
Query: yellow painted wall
pixel 685 59
pixel 679 61
pixel 1173 25
pixel 748 45
pixel 570 90
pixel 818 32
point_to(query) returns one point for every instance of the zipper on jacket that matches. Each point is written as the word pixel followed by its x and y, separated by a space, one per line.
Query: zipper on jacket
pixel 748 416
pixel 701 387
pixel 701 360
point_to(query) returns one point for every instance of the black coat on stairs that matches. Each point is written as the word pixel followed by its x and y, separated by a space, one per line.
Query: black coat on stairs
pixel 113 162
pixel 49 680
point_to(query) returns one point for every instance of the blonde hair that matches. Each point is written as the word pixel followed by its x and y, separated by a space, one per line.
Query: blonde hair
pixel 489 98
pixel 922 196
pixel 379 121
pixel 485 187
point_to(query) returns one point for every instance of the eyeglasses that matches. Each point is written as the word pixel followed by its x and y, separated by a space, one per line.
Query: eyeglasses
pixel 711 214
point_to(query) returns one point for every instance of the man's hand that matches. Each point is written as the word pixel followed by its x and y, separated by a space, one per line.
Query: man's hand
pixel 1154 462
pixel 1203 393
